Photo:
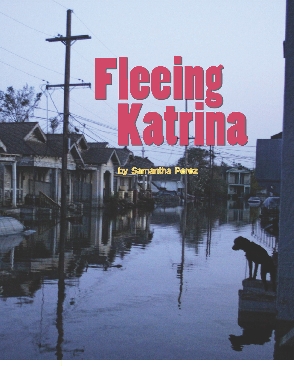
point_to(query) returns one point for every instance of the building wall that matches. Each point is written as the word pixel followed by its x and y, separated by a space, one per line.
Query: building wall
pixel 98 184
pixel 268 163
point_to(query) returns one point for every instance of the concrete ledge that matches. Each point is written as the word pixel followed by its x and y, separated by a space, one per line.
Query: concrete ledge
pixel 253 298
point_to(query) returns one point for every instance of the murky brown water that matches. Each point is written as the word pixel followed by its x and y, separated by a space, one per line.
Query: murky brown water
pixel 134 288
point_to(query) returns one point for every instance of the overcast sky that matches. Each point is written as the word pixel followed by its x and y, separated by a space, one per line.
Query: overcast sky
pixel 246 37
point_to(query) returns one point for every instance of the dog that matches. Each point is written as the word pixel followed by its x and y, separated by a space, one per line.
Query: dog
pixel 255 253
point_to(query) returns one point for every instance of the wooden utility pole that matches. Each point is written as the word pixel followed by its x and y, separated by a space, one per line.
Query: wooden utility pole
pixel 186 160
pixel 67 41
pixel 211 158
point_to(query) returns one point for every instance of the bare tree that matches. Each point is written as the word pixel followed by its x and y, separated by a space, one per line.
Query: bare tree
pixel 54 123
pixel 18 105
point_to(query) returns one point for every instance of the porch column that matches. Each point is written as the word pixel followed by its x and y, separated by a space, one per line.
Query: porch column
pixel 14 184
pixel 56 184
pixel 101 188
pixel 111 183
pixel 95 188
pixel 69 187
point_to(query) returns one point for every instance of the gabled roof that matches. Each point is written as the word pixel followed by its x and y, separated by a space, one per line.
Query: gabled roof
pixel 140 163
pixel 124 155
pixel 25 138
pixel 99 144
pixel 2 147
pixel 55 143
pixel 96 155
pixel 167 177
pixel 36 134
pixel 78 139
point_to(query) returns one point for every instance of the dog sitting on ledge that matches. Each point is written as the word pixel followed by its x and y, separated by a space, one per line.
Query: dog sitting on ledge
pixel 255 253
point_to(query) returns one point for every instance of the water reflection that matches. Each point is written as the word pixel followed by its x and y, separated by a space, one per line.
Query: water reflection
pixel 139 278
pixel 257 329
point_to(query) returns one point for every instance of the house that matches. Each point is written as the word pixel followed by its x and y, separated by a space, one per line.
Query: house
pixel 168 182
pixel 142 183
pixel 79 179
pixel 125 185
pixel 103 162
pixel 238 179
pixel 31 163
pixel 268 164
pixel 28 163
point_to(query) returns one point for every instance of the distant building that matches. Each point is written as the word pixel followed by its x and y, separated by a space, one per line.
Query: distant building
pixel 238 179
pixel 168 182
pixel 125 185
pixel 268 164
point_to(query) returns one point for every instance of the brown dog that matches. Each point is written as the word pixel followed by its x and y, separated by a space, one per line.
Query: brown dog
pixel 255 253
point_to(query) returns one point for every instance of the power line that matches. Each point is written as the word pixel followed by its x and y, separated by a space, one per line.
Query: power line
pixel 37 30
pixel 108 106
pixel 90 130
pixel 36 77
pixel 97 123
pixel 35 63
pixel 82 118
pixel 95 35
pixel 59 4
pixel 84 125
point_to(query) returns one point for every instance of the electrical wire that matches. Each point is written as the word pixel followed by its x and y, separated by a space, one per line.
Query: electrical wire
pixel 36 77
pixel 35 63
pixel 94 35
pixel 37 30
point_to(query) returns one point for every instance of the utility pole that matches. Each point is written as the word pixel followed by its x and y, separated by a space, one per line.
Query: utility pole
pixel 211 158
pixel 67 41
pixel 186 160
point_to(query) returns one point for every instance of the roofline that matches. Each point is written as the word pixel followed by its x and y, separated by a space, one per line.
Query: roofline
pixel 114 152
pixel 82 137
pixel 3 146
pixel 77 150
pixel 33 129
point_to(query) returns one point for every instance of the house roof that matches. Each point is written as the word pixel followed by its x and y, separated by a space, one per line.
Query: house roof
pixel 98 144
pixel 124 155
pixel 140 163
pixel 238 168
pixel 96 155
pixel 55 143
pixel 25 138
pixel 167 177
pixel 79 139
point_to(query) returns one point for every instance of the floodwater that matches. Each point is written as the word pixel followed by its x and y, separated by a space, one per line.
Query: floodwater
pixel 135 288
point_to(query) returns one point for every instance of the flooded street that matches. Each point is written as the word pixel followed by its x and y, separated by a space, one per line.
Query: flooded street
pixel 135 288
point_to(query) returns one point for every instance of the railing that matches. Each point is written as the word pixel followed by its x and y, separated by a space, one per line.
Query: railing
pixel 7 198
pixel 46 201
